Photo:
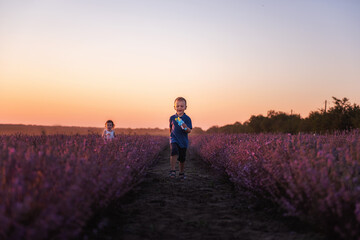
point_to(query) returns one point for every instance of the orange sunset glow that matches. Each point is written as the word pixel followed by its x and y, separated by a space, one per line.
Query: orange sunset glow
pixel 79 63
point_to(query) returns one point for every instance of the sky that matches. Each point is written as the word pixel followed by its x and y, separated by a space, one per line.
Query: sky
pixel 80 63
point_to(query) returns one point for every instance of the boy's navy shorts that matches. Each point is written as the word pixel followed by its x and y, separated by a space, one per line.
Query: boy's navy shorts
pixel 176 150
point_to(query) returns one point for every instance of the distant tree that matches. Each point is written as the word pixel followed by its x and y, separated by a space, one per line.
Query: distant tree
pixel 256 123
pixel 342 116
pixel 237 127
pixel 213 129
pixel 197 130
pixel 316 122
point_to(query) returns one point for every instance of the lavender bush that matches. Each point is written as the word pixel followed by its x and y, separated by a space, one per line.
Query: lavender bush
pixel 313 177
pixel 51 185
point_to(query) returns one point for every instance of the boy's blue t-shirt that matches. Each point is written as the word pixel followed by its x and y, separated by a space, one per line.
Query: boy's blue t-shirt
pixel 177 134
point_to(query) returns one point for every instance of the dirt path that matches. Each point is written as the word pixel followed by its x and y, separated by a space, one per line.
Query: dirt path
pixel 204 206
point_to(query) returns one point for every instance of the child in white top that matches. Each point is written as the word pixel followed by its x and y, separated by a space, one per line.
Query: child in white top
pixel 109 133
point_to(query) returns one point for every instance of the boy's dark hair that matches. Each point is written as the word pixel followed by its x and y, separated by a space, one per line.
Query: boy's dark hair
pixel 180 99
pixel 110 121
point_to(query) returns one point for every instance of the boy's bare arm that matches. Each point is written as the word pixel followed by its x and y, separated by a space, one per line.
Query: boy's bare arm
pixel 170 125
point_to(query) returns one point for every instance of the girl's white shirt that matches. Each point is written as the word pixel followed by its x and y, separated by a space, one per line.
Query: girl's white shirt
pixel 108 134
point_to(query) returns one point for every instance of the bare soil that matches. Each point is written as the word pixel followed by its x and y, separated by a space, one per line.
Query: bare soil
pixel 203 206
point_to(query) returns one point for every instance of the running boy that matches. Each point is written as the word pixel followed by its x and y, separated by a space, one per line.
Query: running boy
pixel 180 127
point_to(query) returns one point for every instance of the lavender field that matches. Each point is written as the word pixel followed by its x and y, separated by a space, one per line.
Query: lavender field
pixel 51 185
pixel 316 178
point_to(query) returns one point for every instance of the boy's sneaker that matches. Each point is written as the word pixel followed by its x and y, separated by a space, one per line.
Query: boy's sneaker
pixel 182 176
pixel 172 174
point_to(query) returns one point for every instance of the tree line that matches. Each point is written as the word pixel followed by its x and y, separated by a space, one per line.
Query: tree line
pixel 341 116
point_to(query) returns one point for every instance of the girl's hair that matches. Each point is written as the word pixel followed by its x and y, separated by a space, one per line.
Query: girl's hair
pixel 110 121
pixel 180 99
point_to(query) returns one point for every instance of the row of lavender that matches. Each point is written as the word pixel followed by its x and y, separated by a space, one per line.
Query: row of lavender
pixel 316 177
pixel 51 185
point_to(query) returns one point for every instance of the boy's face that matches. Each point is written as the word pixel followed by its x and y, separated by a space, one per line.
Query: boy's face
pixel 109 126
pixel 180 107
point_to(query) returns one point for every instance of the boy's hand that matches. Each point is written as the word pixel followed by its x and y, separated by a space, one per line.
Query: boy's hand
pixel 188 130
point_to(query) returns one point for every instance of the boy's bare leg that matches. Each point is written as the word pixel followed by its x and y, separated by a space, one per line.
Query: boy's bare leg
pixel 181 166
pixel 173 160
